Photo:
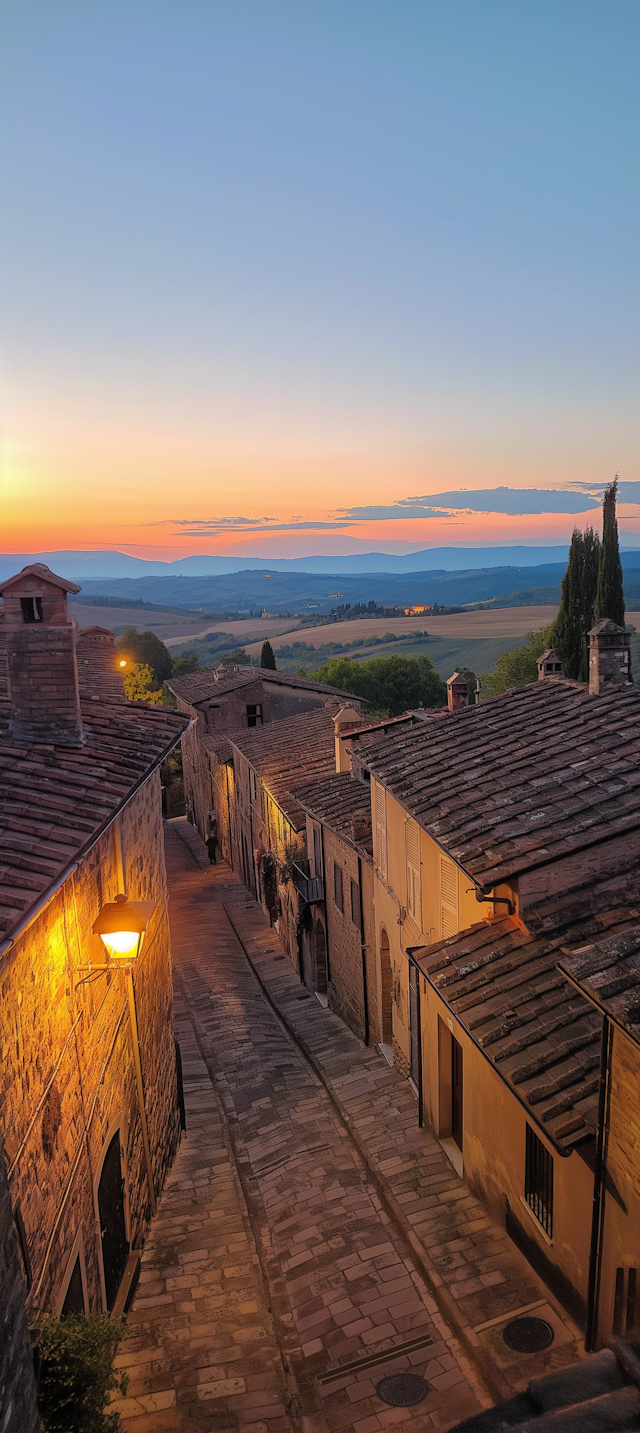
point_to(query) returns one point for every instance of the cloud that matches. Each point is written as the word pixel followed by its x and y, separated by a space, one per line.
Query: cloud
pixel 510 502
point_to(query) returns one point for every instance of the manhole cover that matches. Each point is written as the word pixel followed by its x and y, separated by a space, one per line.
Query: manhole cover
pixel 528 1335
pixel 402 1390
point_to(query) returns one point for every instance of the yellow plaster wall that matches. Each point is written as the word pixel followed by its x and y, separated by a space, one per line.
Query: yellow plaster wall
pixel 621 1242
pixel 494 1124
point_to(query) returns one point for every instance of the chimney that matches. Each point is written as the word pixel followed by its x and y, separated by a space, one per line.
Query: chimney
pixel 457 692
pixel 41 658
pixel 609 657
pixel 346 720
pixel 99 670
pixel 361 826
pixel 549 664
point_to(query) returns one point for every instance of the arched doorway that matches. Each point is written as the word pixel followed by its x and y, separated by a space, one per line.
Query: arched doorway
pixel 321 958
pixel 113 1229
pixel 386 989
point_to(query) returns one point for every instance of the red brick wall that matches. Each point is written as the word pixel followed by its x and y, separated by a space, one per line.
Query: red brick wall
pixel 66 1068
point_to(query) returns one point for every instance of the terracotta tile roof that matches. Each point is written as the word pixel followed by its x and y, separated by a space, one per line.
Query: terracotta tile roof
pixel 341 803
pixel 55 801
pixel 543 1037
pixel 201 686
pixel 283 752
pixel 517 782
pixel 608 971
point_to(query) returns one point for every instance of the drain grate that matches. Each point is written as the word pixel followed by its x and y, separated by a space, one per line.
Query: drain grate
pixel 402 1390
pixel 370 1360
pixel 528 1335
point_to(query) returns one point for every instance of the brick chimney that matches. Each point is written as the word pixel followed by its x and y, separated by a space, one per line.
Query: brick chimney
pixel 346 720
pixel 41 658
pixel 457 692
pixel 609 657
pixel 549 664
pixel 99 670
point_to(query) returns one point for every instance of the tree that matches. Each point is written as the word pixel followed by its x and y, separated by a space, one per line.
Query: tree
pixel 147 649
pixel 387 685
pixel 237 658
pixel 180 666
pixel 518 667
pixel 610 594
pixel 138 680
pixel 267 658
pixel 577 605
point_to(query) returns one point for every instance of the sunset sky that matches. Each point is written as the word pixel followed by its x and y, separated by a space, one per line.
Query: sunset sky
pixel 276 274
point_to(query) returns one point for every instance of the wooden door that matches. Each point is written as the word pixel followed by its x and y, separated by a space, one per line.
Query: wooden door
pixel 456 1091
pixel 113 1232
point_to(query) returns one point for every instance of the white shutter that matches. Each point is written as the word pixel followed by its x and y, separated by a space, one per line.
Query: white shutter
pixel 448 898
pixel 412 837
pixel 381 831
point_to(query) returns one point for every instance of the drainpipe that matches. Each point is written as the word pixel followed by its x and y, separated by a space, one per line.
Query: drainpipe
pixel 412 961
pixel 599 1188
pixel 365 986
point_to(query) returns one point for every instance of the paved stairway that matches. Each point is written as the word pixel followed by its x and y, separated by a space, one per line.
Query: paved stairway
pixel 313 1226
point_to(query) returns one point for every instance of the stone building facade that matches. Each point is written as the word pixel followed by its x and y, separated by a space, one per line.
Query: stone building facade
pixel 223 699
pixel 80 822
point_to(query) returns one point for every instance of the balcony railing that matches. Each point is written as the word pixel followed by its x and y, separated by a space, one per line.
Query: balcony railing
pixel 311 888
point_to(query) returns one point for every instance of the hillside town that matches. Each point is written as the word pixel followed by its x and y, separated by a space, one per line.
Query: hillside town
pixel 325 1090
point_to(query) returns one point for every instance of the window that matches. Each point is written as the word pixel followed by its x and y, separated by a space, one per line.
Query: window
pixel 355 904
pixel 254 714
pixel 448 898
pixel 337 886
pixel 31 609
pixel 317 852
pixel 538 1181
pixel 381 832
pixel 412 840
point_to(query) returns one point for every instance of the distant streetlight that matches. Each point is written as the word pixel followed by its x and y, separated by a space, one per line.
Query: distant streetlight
pixel 123 662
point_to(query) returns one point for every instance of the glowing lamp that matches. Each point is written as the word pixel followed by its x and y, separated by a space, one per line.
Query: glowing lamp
pixel 121 926
pixel 123 662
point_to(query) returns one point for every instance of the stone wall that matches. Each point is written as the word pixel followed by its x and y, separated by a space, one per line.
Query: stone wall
pixel 18 1411
pixel 67 1077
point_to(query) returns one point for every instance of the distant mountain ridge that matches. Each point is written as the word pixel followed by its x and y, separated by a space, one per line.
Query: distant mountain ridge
pixel 107 565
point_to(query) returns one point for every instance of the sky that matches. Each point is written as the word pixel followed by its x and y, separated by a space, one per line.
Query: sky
pixel 309 276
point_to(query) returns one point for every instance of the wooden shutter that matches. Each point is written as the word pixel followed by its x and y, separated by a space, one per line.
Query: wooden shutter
pixel 381 831
pixel 337 885
pixel 448 897
pixel 412 839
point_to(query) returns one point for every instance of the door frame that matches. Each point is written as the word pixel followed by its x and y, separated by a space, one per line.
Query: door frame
pixel 77 1252
pixel 117 1126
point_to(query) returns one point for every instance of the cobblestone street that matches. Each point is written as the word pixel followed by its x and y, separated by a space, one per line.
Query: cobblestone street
pixel 310 1239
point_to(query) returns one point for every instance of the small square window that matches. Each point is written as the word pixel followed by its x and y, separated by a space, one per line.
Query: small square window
pixel 254 714
pixel 31 609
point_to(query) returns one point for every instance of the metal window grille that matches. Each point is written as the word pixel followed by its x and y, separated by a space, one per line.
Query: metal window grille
pixel 538 1181
pixel 337 885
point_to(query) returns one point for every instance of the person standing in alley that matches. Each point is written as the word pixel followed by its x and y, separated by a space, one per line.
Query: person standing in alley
pixel 212 845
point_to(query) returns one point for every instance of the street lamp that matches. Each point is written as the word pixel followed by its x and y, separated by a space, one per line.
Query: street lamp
pixel 121 926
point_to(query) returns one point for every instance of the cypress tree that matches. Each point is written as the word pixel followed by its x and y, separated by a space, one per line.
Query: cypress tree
pixel 610 594
pixel 267 658
pixel 577 604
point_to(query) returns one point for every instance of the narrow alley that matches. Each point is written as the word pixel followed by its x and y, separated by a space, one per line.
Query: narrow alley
pixel 308 1245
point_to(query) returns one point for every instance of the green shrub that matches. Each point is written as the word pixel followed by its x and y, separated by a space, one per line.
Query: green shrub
pixel 76 1373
